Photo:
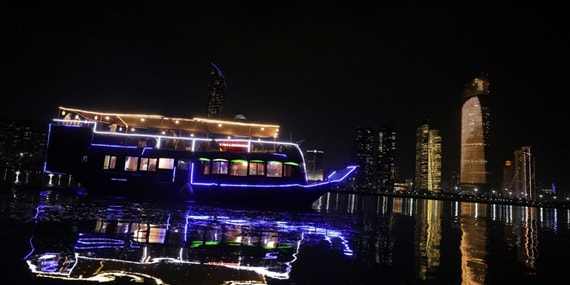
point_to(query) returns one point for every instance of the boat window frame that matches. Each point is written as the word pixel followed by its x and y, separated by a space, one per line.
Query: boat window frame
pixel 289 167
pixel 220 166
pixel 183 164
pixel 150 165
pixel 131 163
pixel 109 161
pixel 256 167
pixel 205 165
pixel 238 167
pixel 273 170
pixel 165 163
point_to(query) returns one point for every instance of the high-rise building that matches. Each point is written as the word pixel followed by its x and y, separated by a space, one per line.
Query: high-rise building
pixel 523 181
pixel 428 159
pixel 387 151
pixel 314 159
pixel 474 172
pixel 375 152
pixel 216 89
pixel 508 178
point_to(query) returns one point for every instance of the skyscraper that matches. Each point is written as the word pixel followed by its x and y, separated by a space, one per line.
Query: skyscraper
pixel 375 152
pixel 314 161
pixel 474 172
pixel 508 178
pixel 216 90
pixel 428 159
pixel 523 185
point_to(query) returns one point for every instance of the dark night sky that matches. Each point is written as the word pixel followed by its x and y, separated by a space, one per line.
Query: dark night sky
pixel 319 70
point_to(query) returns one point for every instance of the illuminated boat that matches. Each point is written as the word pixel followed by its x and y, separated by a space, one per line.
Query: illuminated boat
pixel 226 162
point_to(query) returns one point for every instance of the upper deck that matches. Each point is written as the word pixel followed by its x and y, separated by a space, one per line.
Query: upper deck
pixel 181 134
pixel 173 126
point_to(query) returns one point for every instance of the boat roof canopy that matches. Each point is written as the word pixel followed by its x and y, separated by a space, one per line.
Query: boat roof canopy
pixel 189 125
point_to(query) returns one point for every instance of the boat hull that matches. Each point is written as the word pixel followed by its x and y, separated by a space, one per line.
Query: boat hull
pixel 292 196
pixel 259 197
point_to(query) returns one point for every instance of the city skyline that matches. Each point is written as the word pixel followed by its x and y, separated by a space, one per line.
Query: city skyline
pixel 320 72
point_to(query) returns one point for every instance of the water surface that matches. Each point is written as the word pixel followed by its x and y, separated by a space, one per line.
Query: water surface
pixel 55 237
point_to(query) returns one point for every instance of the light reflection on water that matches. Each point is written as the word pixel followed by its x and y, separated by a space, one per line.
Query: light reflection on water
pixel 345 239
pixel 459 242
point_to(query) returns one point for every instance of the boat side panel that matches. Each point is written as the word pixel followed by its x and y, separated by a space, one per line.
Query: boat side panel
pixel 67 148
pixel 136 181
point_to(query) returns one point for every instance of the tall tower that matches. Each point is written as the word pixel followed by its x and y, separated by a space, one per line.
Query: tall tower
pixel 375 152
pixel 523 185
pixel 314 161
pixel 216 90
pixel 507 183
pixel 474 173
pixel 428 159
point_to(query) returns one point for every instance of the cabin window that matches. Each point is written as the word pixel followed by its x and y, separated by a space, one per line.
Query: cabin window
pixel 274 169
pixel 152 164
pixel 257 167
pixel 148 164
pixel 166 163
pixel 289 168
pixel 144 164
pixel 238 167
pixel 205 165
pixel 131 163
pixel 220 166
pixel 182 165
pixel 109 162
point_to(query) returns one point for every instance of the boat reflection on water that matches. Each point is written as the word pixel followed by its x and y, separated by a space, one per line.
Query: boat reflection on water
pixel 188 248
